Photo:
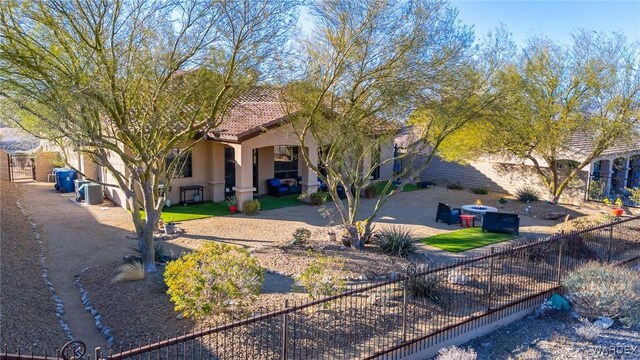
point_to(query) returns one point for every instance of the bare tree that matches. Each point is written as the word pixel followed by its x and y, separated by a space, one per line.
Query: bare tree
pixel 369 66
pixel 128 81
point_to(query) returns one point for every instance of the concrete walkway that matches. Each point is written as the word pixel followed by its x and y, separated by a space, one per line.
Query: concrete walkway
pixel 76 238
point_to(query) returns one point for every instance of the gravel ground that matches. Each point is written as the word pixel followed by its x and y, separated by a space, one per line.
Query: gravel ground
pixel 135 311
pixel 554 337
pixel 95 238
pixel 26 307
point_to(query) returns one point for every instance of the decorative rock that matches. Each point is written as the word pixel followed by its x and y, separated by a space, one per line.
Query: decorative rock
pixel 603 322
pixel 180 316
pixel 458 278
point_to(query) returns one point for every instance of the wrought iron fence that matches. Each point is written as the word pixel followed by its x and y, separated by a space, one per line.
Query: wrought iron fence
pixel 421 308
pixel 604 187
pixel 21 167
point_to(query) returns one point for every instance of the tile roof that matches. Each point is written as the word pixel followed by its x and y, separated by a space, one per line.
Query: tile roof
pixel 582 142
pixel 252 112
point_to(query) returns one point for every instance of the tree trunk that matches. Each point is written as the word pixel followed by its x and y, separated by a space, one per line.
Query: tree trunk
pixel 147 248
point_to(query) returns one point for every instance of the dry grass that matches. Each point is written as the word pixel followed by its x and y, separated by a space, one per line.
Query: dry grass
pixel 588 331
pixel 130 272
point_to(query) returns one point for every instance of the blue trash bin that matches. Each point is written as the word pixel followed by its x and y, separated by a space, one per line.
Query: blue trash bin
pixel 64 180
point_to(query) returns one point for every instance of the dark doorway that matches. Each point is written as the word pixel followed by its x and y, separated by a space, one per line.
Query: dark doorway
pixel 229 170
pixel 254 156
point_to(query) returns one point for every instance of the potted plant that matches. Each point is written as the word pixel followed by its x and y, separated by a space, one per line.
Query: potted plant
pixel 170 227
pixel 616 207
pixel 232 201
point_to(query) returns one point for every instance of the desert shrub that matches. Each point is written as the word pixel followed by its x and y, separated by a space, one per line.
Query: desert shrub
pixel 480 190
pixel 159 251
pixel 251 207
pixel 456 353
pixel 131 271
pixel 300 236
pixel 397 241
pixel 603 289
pixel 455 186
pixel 315 279
pixel 212 279
pixel 427 286
pixel 527 194
pixel 588 331
pixel 317 198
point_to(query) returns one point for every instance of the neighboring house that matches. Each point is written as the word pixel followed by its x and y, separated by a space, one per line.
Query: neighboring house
pixel 254 142
pixel 607 176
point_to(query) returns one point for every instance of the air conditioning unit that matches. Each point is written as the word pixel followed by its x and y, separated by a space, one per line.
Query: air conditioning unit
pixel 93 194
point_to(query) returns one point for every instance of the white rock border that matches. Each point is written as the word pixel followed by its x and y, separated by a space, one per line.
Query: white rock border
pixel 104 330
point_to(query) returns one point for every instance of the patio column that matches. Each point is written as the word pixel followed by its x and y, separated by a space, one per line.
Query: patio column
pixel 309 177
pixel 608 173
pixel 627 167
pixel 216 172
pixel 244 174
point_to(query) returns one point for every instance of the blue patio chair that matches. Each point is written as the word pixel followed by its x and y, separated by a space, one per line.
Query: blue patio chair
pixel 275 188
pixel 447 214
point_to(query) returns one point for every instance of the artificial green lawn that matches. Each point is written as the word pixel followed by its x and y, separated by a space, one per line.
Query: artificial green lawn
pixel 271 202
pixel 194 211
pixel 465 239
pixel 208 209
pixel 179 213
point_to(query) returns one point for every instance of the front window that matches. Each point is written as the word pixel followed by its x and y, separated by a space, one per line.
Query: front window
pixel 183 168
pixel 285 162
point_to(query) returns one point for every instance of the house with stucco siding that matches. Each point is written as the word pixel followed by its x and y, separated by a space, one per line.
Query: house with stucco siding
pixel 607 176
pixel 254 142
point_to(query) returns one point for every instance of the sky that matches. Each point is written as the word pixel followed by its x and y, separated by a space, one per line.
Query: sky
pixel 555 19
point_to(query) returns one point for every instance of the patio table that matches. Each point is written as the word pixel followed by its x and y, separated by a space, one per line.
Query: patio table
pixel 476 210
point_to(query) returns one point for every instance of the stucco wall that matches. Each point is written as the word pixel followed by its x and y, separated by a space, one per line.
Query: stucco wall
pixel 200 162
pixel 502 177
pixel 265 168
pixel 386 152
pixel 4 166
pixel 44 164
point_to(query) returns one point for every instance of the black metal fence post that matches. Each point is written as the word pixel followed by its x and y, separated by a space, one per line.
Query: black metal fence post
pixel 404 310
pixel 609 244
pixel 559 273
pixel 285 329
pixel 98 353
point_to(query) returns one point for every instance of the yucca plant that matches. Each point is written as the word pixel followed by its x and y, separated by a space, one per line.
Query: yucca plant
pixel 397 241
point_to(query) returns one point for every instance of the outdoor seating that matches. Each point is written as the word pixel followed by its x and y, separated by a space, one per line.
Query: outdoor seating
pixel 447 214
pixel 501 222
pixel 275 188
pixel 470 220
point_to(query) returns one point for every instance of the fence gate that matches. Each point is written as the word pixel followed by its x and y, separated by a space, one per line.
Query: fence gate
pixel 22 167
